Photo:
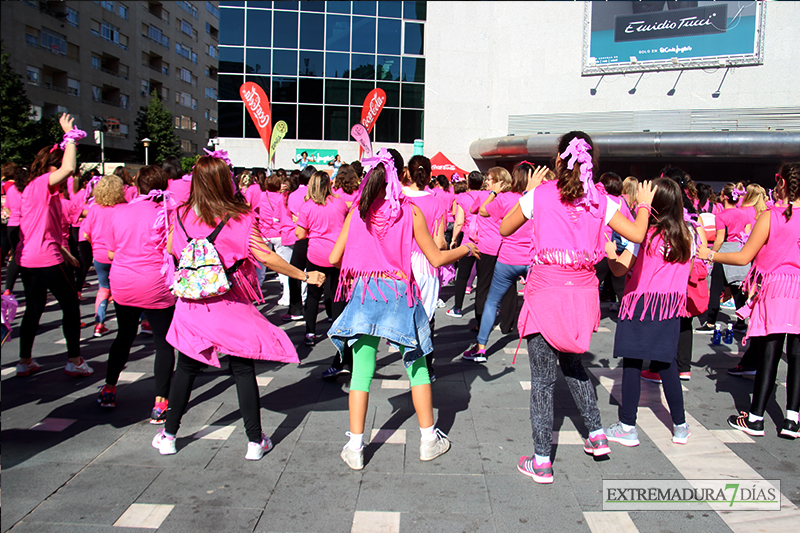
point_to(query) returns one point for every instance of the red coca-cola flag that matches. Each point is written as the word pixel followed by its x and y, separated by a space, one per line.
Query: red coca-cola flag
pixel 373 105
pixel 258 106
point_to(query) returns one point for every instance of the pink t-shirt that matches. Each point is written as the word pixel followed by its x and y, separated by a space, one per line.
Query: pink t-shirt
pixel 751 213
pixel 297 198
pixel 253 195
pixel 67 208
pixel 733 220
pixel 323 224
pixel 432 209
pixel 40 225
pixel 286 225
pixel 516 248
pixel 180 189
pixel 138 255
pixel 78 200
pixel 465 201
pixel 349 198
pixel 13 203
pixel 130 193
pixel 488 227
pixel 97 230
pixel 269 207
pixel 447 197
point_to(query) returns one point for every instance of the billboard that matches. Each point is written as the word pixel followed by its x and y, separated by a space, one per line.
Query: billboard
pixel 639 36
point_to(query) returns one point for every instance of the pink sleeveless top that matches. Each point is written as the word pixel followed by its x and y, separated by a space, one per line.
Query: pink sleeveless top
pixel 663 285
pixel 376 249
pixel 777 265
pixel 561 300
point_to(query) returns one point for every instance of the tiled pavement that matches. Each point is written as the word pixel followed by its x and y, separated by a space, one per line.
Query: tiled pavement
pixel 67 466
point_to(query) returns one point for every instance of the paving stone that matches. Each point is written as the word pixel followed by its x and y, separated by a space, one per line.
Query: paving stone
pixel 424 493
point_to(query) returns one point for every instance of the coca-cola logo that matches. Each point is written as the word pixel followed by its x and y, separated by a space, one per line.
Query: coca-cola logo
pixel 257 111
pixel 445 166
pixel 375 107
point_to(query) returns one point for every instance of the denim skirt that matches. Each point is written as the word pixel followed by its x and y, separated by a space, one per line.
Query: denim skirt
pixel 384 312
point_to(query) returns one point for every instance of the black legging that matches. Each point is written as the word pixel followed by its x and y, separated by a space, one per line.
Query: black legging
pixel 718 284
pixel 37 281
pixel 315 293
pixel 684 348
pixel 12 272
pixel 631 390
pixel 244 374
pixel 127 327
pixel 86 260
pixel 299 253
pixel 465 265
pixel 768 371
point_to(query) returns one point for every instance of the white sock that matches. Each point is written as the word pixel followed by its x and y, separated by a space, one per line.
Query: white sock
pixel 356 441
pixel 170 435
pixel 541 459
pixel 428 433
pixel 597 433
pixel 626 427
pixel 753 418
pixel 794 416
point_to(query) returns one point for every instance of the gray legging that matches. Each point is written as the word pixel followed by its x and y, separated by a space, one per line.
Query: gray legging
pixel 542 358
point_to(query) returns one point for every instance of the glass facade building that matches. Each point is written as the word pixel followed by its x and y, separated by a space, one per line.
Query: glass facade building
pixel 318 60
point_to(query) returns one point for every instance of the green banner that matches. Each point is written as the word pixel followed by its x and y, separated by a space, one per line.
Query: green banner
pixel 316 157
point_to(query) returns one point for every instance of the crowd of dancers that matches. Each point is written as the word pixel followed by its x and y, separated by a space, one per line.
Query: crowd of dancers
pixel 183 258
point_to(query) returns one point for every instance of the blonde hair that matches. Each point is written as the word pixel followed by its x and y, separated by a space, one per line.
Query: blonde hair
pixel 501 175
pixel 109 191
pixel 630 186
pixel 319 188
pixel 755 196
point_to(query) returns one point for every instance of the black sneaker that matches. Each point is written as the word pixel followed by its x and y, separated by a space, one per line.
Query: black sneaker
pixel 742 423
pixel 333 372
pixel 107 397
pixel 740 326
pixel 742 371
pixel 705 328
pixel 790 429
pixel 158 416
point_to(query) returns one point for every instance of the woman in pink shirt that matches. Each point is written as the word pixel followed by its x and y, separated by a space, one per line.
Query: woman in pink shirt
pixel 732 230
pixel 513 256
pixel 346 184
pixel 96 229
pixel 42 256
pixel 201 329
pixel 465 216
pixel 127 183
pixel 82 250
pixel 319 220
pixel 137 245
pixel 13 197
pixel 561 309
pixel 374 251
pixel 179 184
pixel 774 250
pixel 297 289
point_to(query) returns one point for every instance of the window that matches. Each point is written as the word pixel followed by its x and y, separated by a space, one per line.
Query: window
pixel 186 145
pixel 183 50
pixel 31 36
pixel 94 26
pixel 33 75
pixel 123 71
pixel 211 93
pixel 184 99
pixel 186 122
pixel 212 51
pixel 95 62
pixel 123 101
pixel 73 87
pixel 211 115
pixel 187 28
pixel 165 41
pixel 188 7
pixel 194 103
pixel 36 112
pixel 177 122
pixel 194 58
pixel 73 52
pixel 211 8
pixel 55 42
pixel 145 88
pixel 109 32
pixel 154 34
pixel 72 16
pixel 108 6
pixel 97 93
pixel 165 69
pixel 123 130
pixel 186 75
pixel 123 11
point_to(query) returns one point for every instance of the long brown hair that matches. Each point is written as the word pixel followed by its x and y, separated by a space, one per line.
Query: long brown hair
pixel 347 179
pixel 569 181
pixel 46 159
pixel 790 190
pixel 667 219
pixel 212 193
pixel 376 184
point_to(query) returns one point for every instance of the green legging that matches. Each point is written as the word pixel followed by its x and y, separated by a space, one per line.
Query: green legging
pixel 365 352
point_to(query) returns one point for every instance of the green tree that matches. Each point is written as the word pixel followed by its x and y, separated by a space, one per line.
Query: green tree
pixel 187 163
pixel 155 123
pixel 20 136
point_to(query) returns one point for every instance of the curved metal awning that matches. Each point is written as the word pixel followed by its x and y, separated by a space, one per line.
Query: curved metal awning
pixel 650 146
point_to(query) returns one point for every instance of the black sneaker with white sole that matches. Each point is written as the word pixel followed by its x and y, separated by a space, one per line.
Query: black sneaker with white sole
pixel 742 423
pixel 705 328
pixel 790 429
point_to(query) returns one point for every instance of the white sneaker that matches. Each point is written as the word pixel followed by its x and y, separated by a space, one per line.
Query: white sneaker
pixel 82 369
pixel 26 370
pixel 430 450
pixel 256 450
pixel 353 459
pixel 165 445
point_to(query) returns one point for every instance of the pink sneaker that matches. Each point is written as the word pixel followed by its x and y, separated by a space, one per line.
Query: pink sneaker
pixel 652 377
pixel 597 446
pixel 539 473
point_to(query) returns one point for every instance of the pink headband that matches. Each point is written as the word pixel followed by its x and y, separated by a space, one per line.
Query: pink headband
pixel 219 154
pixel 736 193
pixel 393 187
pixel 578 151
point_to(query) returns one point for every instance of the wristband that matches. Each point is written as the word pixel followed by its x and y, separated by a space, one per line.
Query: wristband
pixel 72 136
pixel 493 192
pixel 711 254
pixel 469 251
pixel 306 280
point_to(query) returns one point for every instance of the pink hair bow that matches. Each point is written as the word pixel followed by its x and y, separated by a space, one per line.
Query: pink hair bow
pixel 578 152
pixel 219 154
pixel 393 187
pixel 736 193
pixel 74 135
pixel 456 177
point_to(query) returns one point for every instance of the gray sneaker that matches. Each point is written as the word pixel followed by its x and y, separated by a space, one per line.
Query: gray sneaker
pixel 430 450
pixel 354 460
pixel 617 434
pixel 681 433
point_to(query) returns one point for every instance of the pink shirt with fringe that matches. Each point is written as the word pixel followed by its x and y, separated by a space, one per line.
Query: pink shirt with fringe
pixel 230 323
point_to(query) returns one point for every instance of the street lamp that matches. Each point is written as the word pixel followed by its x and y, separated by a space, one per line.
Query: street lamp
pixel 146 143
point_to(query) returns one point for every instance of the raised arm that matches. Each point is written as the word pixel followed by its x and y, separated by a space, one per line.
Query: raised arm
pixel 70 152
pixel 635 231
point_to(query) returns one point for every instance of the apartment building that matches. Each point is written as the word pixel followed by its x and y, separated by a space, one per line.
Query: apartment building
pixel 100 61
